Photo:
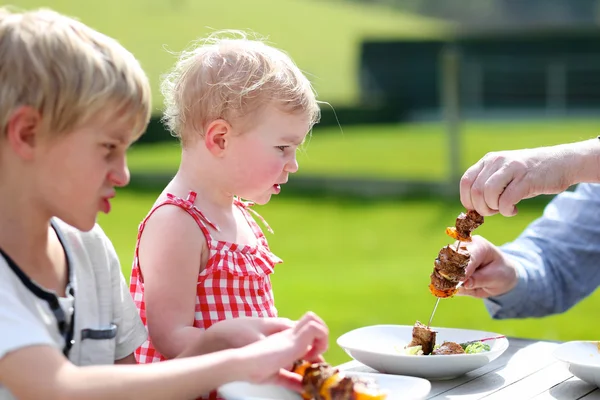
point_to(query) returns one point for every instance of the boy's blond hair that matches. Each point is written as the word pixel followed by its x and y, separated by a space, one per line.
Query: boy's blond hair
pixel 69 72
pixel 231 76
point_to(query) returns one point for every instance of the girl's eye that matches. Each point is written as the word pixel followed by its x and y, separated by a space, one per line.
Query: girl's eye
pixel 110 146
pixel 282 148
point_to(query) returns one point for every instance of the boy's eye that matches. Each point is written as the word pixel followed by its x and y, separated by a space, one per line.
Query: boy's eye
pixel 282 148
pixel 110 146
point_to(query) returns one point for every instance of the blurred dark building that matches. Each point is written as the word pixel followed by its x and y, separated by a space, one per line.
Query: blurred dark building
pixel 501 13
pixel 514 57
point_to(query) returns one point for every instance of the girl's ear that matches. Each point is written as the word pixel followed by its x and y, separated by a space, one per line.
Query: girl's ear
pixel 217 136
pixel 22 129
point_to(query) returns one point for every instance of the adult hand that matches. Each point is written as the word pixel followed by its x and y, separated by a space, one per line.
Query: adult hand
pixel 498 181
pixel 489 272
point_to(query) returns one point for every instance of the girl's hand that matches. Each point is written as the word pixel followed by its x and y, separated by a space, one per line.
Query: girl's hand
pixel 272 358
pixel 239 332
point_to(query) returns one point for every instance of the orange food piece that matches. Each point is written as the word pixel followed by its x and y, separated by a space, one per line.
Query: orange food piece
pixel 370 395
pixel 442 293
pixel 453 233
pixel 300 367
pixel 360 391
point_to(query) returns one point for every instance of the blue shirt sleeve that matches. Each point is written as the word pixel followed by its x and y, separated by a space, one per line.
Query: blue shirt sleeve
pixel 558 258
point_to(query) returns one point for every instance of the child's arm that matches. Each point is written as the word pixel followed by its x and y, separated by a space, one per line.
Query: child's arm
pixel 171 251
pixel 43 372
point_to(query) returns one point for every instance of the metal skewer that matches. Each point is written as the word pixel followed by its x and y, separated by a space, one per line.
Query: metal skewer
pixel 433 312
pixel 438 299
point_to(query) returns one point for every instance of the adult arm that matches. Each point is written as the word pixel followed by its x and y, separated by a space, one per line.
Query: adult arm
pixel 556 258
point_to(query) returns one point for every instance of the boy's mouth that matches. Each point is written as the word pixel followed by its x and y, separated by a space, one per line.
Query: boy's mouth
pixel 105 205
pixel 277 188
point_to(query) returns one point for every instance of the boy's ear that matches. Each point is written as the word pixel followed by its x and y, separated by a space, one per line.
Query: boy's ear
pixel 24 124
pixel 217 136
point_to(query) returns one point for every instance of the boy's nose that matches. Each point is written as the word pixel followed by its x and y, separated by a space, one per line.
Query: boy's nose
pixel 120 176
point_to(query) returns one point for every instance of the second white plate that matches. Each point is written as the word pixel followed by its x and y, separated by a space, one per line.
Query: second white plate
pixel 397 388
pixel 582 358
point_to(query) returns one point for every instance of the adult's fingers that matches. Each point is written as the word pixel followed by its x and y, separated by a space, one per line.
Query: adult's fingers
pixel 495 186
pixel 516 191
pixel 484 278
pixel 481 252
pixel 466 182
pixel 478 292
pixel 478 191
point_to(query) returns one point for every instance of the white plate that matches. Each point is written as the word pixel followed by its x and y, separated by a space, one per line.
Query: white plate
pixel 582 358
pixel 397 388
pixel 380 347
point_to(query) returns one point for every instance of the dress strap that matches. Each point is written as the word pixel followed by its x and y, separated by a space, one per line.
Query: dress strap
pixel 188 205
pixel 246 206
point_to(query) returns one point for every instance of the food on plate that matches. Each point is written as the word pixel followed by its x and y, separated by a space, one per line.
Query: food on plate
pixel 451 262
pixel 423 343
pixel 321 381
pixel 423 338
pixel 476 347
pixel 448 348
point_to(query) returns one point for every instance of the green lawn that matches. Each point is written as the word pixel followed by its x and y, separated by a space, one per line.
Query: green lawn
pixel 357 264
pixel 323 37
pixel 396 151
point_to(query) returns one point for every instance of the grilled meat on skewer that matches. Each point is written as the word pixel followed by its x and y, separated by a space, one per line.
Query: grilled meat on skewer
pixel 441 287
pixel 449 269
pixel 321 381
pixel 465 224
pixel 424 337
pixel 451 262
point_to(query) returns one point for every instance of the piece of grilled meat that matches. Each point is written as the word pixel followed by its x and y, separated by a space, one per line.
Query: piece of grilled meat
pixel 449 269
pixel 424 337
pixel 464 225
pixel 321 381
pixel 448 348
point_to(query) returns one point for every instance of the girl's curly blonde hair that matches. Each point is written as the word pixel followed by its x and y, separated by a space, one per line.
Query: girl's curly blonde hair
pixel 231 76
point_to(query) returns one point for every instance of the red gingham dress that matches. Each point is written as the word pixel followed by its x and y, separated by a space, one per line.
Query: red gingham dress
pixel 234 283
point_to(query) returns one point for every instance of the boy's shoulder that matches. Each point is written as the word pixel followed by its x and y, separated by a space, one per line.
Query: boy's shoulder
pixel 94 234
pixel 93 243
